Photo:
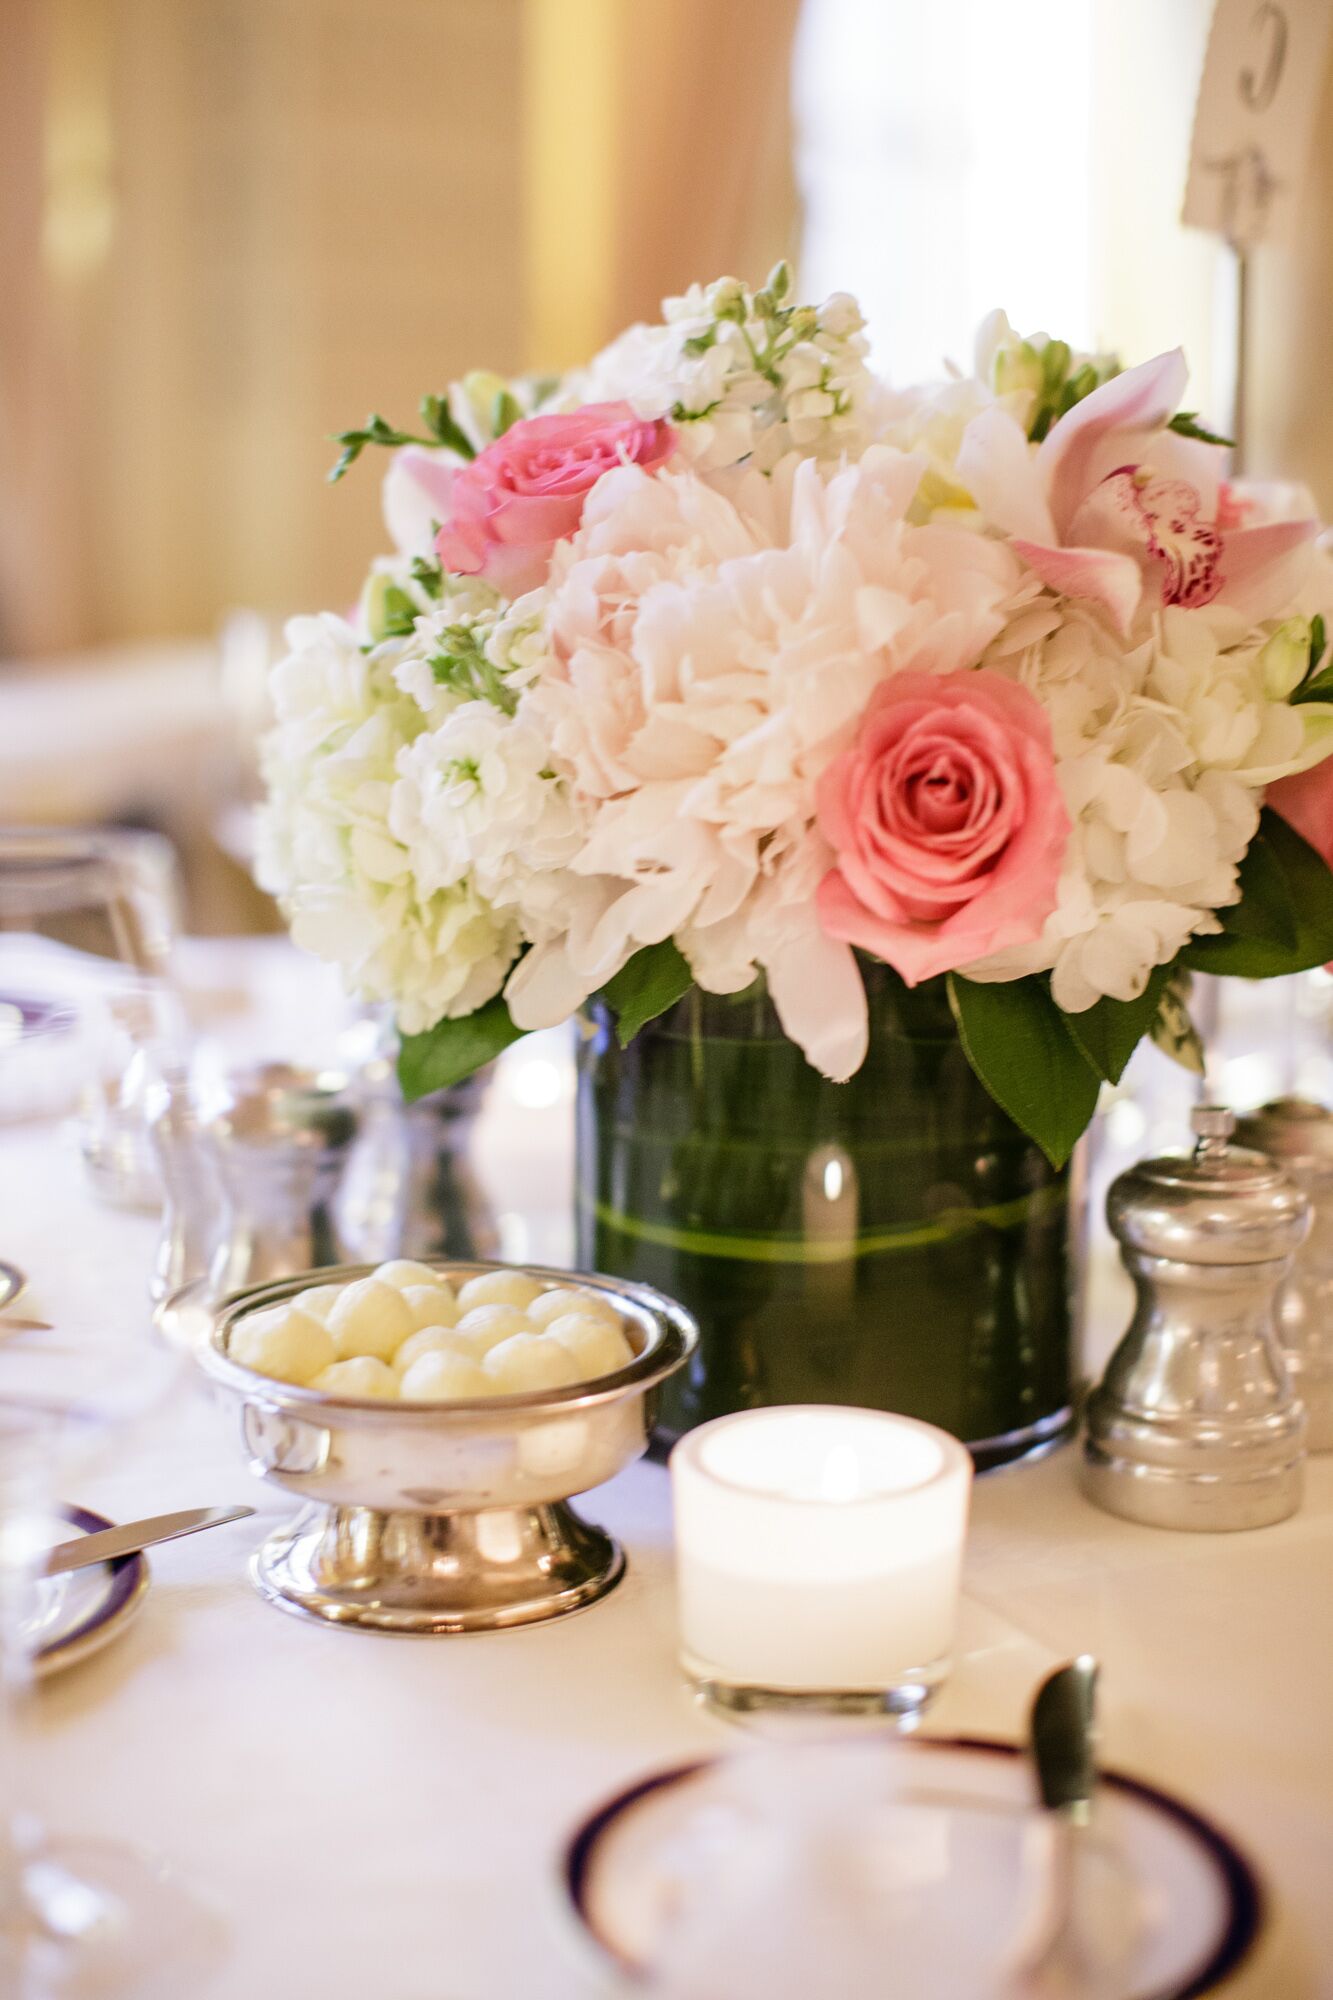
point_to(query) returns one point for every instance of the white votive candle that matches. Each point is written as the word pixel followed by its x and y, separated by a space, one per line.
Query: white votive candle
pixel 819 1552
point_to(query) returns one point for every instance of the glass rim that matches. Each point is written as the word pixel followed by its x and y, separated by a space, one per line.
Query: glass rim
pixel 44 868
pixel 953 1455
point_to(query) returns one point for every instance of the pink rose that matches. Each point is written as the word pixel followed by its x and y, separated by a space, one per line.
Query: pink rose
pixel 525 492
pixel 1305 802
pixel 947 823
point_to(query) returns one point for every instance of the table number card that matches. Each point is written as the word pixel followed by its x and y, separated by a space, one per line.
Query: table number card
pixel 1255 116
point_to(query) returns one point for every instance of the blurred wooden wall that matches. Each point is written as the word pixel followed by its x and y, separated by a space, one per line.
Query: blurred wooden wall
pixel 232 226
pixel 243 224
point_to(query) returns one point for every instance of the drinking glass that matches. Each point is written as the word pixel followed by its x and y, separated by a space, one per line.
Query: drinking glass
pixel 79 1917
pixel 85 932
pixel 88 1009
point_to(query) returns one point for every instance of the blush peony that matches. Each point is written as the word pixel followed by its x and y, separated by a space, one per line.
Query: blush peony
pixel 710 654
pixel 946 821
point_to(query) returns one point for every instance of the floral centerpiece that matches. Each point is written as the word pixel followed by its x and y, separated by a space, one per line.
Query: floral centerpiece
pixel 718 676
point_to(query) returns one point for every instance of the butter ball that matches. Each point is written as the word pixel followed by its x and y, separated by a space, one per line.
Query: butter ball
pixel 554 1305
pixel 486 1326
pixel 319 1300
pixel 444 1378
pixel 400 1272
pixel 498 1288
pixel 362 1377
pixel 288 1344
pixel 529 1361
pixel 430 1305
pixel 596 1347
pixel 370 1318
pixel 431 1340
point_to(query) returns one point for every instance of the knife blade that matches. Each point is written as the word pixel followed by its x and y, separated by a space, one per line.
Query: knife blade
pixel 128 1539
pixel 1062 1739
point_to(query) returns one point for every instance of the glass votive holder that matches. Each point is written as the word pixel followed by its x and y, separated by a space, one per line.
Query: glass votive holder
pixel 818 1554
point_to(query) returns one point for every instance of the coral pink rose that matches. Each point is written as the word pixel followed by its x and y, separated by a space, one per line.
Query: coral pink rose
pixel 525 492
pixel 1305 802
pixel 947 823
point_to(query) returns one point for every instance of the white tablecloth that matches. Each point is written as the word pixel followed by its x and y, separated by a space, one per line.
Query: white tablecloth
pixel 383 1817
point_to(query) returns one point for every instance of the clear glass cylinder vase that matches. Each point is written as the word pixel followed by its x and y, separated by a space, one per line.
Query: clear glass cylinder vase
pixel 894 1242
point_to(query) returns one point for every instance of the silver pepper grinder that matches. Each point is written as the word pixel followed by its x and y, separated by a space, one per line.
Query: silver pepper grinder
pixel 1196 1424
pixel 281 1137
pixel 1298 1134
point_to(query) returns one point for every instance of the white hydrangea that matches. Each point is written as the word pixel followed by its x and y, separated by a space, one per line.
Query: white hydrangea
pixel 326 848
pixel 476 798
pixel 1162 754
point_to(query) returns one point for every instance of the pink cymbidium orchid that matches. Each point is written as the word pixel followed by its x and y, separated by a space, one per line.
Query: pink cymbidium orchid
pixel 1116 508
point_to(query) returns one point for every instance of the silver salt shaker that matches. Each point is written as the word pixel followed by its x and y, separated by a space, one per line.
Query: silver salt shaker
pixel 1298 1134
pixel 1196 1423
pixel 280 1138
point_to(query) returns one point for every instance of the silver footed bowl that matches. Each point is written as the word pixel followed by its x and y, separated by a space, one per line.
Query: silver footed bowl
pixel 445 1517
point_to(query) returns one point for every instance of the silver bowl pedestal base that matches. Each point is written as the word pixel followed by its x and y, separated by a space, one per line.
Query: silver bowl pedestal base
pixel 425 1573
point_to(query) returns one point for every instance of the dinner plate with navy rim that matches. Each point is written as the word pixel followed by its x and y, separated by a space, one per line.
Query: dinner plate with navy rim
pixel 632 1865
pixel 77 1614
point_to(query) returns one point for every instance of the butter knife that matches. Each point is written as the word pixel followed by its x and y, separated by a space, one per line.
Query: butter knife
pixel 1055 1967
pixel 1062 1739
pixel 127 1540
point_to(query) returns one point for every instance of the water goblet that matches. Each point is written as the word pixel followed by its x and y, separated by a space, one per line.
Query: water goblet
pixel 81 1918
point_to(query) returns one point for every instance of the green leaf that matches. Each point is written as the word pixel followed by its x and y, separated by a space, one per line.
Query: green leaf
pixel 1266 910
pixel 1319 688
pixel 389 612
pixel 452 1050
pixel 1319 684
pixel 439 420
pixel 1284 919
pixel 1173 1032
pixel 653 980
pixel 1109 1032
pixel 430 575
pixel 1186 424
pixel 505 412
pixel 1018 1042
pixel 374 431
pixel 462 664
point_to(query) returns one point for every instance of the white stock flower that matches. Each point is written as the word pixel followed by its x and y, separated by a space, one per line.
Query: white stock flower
pixel 740 386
